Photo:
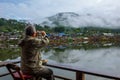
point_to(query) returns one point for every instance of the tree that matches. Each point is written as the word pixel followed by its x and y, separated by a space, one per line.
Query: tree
pixel 59 29
pixel 2 21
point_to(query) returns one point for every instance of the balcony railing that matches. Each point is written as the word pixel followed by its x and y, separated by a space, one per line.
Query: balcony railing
pixel 80 72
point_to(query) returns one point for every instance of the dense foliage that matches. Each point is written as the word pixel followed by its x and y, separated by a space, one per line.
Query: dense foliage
pixel 12 25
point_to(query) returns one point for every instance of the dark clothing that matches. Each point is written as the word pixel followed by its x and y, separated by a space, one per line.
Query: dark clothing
pixel 45 73
pixel 31 62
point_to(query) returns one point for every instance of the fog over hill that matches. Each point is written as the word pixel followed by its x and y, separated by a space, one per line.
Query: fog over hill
pixel 80 20
pixel 76 13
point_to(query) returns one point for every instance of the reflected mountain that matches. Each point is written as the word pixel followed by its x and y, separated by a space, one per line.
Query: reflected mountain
pixel 8 51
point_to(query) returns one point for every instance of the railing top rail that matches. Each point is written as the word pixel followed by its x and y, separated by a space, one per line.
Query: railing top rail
pixel 6 62
pixel 85 70
pixel 75 69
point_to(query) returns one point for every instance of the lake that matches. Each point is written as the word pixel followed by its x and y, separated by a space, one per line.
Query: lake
pixel 105 58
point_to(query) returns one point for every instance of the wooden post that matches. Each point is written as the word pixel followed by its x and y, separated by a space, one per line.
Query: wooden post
pixel 80 76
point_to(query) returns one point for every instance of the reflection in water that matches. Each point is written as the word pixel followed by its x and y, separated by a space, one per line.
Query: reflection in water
pixel 98 56
pixel 101 59
pixel 104 60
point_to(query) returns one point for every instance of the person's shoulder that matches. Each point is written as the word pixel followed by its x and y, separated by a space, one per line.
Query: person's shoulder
pixel 34 40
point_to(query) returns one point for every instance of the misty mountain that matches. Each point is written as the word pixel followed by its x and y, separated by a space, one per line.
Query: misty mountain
pixel 80 20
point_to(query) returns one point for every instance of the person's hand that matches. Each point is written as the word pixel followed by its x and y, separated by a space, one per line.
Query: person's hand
pixel 44 61
pixel 43 33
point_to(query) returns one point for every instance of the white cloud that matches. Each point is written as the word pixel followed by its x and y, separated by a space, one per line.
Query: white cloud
pixel 36 9
pixel 42 8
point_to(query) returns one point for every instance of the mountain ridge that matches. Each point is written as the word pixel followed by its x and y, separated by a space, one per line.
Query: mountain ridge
pixel 73 19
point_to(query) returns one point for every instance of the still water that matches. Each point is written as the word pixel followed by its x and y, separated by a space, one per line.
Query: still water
pixel 103 59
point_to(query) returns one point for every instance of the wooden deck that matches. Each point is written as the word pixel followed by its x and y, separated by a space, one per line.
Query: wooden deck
pixel 80 72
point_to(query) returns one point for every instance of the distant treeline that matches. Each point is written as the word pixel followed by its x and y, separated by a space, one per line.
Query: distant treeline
pixel 12 25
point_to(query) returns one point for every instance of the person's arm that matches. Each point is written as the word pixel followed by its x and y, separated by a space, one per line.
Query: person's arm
pixel 39 43
pixel 45 40
pixel 41 38
pixel 21 43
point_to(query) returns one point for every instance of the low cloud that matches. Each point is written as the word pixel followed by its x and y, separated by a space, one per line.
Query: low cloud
pixel 38 9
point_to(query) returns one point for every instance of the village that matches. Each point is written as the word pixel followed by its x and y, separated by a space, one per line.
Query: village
pixel 57 39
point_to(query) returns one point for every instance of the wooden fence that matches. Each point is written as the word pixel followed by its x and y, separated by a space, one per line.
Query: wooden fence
pixel 80 72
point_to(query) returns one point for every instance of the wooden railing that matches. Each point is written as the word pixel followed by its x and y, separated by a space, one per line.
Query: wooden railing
pixel 80 72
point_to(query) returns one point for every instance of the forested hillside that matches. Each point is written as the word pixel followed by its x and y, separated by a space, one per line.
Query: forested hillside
pixel 12 25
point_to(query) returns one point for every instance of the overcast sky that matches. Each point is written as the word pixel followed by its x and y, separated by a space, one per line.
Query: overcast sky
pixel 36 9
pixel 32 9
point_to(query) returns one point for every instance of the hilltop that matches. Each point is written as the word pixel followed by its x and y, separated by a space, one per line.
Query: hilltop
pixel 71 19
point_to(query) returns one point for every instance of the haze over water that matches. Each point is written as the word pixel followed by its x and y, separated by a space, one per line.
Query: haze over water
pixel 106 60
pixel 101 59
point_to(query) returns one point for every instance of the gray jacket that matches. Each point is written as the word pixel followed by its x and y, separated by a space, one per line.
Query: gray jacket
pixel 30 55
